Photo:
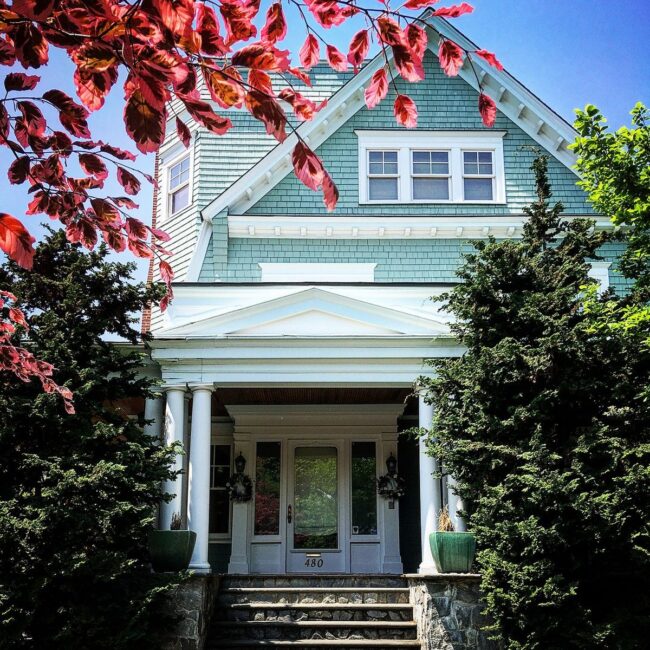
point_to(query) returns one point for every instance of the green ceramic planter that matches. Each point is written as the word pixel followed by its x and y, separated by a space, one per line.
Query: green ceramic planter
pixel 171 550
pixel 453 552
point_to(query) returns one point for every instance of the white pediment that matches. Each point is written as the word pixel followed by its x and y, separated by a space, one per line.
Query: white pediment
pixel 302 312
pixel 315 322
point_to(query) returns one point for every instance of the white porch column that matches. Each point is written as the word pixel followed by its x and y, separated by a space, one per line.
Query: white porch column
pixel 239 555
pixel 174 425
pixel 153 413
pixel 198 502
pixel 391 561
pixel 455 504
pixel 430 495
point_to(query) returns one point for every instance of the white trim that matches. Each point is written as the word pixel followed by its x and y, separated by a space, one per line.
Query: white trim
pixel 379 227
pixel 308 272
pixel 198 254
pixel 454 142
pixel 599 271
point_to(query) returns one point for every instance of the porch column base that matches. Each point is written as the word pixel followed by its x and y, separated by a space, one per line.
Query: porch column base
pixel 201 567
pixel 427 569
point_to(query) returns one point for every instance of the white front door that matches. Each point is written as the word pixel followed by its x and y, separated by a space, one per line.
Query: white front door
pixel 316 517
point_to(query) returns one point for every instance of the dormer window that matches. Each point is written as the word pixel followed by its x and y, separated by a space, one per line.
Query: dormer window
pixel 382 176
pixel 431 167
pixel 179 185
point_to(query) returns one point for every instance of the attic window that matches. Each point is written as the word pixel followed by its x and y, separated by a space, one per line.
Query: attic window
pixel 179 185
pixel 431 167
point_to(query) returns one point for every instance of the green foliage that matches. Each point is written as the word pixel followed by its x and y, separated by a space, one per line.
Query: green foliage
pixel 615 171
pixel 78 493
pixel 544 424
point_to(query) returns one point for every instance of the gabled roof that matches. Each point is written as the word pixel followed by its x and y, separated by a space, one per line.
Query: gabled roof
pixel 513 99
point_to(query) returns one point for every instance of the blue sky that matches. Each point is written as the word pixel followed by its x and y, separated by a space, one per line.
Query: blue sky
pixel 568 52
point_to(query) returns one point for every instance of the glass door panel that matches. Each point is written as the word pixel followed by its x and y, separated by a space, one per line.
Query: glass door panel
pixel 315 498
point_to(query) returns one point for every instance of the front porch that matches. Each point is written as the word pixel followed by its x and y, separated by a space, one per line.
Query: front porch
pixel 314 455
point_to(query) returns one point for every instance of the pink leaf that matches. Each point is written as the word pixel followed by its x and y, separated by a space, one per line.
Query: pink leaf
pixel 450 56
pixel 488 109
pixel 309 52
pixel 406 113
pixel 490 58
pixel 336 59
pixel 377 89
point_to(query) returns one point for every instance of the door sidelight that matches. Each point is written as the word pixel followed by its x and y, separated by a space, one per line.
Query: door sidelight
pixel 289 514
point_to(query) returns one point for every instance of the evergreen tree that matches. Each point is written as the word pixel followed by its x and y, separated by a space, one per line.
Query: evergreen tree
pixel 78 493
pixel 544 424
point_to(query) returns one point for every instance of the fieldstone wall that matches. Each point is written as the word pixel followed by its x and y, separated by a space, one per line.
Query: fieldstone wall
pixel 192 603
pixel 447 610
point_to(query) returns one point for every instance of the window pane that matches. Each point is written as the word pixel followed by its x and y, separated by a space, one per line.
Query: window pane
pixel 221 455
pixel 267 489
pixel 485 157
pixel 315 498
pixel 180 199
pixel 382 162
pixel 421 156
pixel 219 511
pixel 382 189
pixel 364 488
pixel 478 189
pixel 431 188
pixel 390 156
pixel 179 173
pixel 485 168
pixel 375 156
pixel 430 162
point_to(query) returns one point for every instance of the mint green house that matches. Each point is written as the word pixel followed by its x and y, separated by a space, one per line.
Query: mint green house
pixel 296 335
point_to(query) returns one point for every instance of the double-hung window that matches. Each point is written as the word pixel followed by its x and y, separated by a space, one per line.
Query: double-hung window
pixel 478 175
pixel 179 186
pixel 430 175
pixel 383 178
pixel 431 167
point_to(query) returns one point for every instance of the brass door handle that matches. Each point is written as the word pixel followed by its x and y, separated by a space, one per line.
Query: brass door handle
pixel 289 514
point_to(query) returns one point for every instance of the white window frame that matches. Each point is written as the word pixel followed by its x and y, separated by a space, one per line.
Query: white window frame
pixel 396 176
pixel 491 176
pixel 220 537
pixel 455 142
pixel 413 175
pixel 166 211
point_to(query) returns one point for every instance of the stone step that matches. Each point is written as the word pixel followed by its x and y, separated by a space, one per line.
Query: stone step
pixel 308 630
pixel 339 644
pixel 318 580
pixel 324 595
pixel 314 611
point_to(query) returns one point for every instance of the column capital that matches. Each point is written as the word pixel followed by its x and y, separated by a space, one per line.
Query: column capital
pixel 198 386
pixel 173 387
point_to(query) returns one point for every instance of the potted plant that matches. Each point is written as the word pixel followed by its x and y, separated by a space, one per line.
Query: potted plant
pixel 453 552
pixel 171 550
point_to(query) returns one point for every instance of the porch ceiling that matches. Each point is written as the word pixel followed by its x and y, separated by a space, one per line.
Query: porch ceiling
pixel 308 395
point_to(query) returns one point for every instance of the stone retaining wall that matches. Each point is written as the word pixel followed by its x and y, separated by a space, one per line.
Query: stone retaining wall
pixel 447 610
pixel 193 604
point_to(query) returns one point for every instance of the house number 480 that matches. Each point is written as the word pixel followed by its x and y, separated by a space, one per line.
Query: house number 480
pixel 314 562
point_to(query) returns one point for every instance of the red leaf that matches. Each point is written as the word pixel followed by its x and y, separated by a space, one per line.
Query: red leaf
pixel 183 132
pixel 135 229
pixel 33 9
pixel 275 28
pixel 267 110
pixel 303 108
pixel 389 31
pixel 450 56
pixel 31 46
pixel 116 152
pixel 261 57
pixel 488 109
pixel 128 181
pixel 160 234
pixel 260 81
pixel 490 58
pixel 94 56
pixel 336 59
pixel 166 272
pixel 307 166
pixel 417 40
pixel 377 89
pixel 330 192
pixel 15 241
pixel 93 165
pixel 202 112
pixel 408 64
pixel 455 11
pixel 406 113
pixel 92 87
pixel 17 316
pixel 237 17
pixel 18 170
pixel 299 74
pixel 225 88
pixel 309 52
pixel 7 52
pixel 4 122
pixel 207 27
pixel 144 124
pixel 34 120
pixel 176 15
pixel 359 46
pixel 419 4
pixel 72 115
pixel 20 81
